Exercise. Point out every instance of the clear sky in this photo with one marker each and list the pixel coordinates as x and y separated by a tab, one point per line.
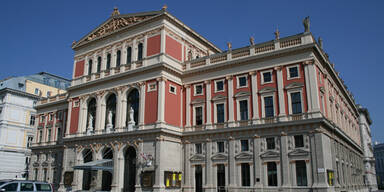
36	35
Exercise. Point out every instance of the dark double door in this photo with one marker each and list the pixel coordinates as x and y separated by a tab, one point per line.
130	170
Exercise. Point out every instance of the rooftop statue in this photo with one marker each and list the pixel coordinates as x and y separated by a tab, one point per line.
306	24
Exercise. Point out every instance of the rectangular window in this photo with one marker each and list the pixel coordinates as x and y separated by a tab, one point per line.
221	178
198	115
59	115
49	135
293	72
50	117
42	119
129	55
108	61
301	173
296	103
267	77
198	148
41	136
219	85
152	87
29	141
243	109
220	112
199	89
45	174
32	120
37	91
268	106
98	64
245	175
172	89
270	143
242	81
299	141
244	145
118	58
272	174
220	146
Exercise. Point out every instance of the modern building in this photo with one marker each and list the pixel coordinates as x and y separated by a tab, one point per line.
17	118
365	122
154	106
378	150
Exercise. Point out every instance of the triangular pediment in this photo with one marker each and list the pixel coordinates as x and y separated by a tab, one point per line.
243	156
198	100
267	90
219	157
294	85
270	154
114	24
298	152
197	157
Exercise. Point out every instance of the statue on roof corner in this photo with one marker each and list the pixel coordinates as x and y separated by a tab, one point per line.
306	24
277	34
115	12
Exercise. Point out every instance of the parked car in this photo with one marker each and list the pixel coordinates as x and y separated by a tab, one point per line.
25	185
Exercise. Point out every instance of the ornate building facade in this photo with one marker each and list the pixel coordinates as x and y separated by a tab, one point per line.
154	106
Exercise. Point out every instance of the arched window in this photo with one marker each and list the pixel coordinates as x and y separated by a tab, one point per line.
90	63
129	55
133	101
110	113
118	58
98	64
91	113
140	52
108	61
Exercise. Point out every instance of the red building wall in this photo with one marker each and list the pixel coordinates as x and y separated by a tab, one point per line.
173	48
198	97
79	68
153	45
301	79
150	116
172	103
243	89
271	85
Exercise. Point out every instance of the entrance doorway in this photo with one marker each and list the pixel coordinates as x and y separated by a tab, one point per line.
130	170
220	178
107	175
198	178
87	174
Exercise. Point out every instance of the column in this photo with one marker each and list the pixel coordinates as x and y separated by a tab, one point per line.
208	105
69	118
187	170
162	36
94	66
255	101
319	155
83	115
123	116
103	64
134	54
113	60
280	92
119	104
159	175
123	58
142	105
86	63
285	168
231	162
209	168
258	169
145	50
116	169
161	100
312	88
188	106
231	111
98	125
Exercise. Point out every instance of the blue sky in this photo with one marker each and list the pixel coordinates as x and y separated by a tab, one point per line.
36	35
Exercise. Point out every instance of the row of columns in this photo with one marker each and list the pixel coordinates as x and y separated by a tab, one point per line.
312	92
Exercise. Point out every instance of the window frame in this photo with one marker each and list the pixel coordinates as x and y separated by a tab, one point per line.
245	174
302	181
289	73
262	76
263	114
267	145
195	89
215	119
289	94
219	80
149	89
218	146
202	114
238	100
32	120
198	148
243	141
296	142
238	86
274	174
170	89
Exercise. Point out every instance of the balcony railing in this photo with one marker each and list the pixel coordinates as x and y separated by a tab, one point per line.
252	50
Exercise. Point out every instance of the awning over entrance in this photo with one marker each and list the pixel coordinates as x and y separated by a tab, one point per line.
103	164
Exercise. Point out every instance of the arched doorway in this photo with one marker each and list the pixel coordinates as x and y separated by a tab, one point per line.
130	169
107	175
87	174
133	101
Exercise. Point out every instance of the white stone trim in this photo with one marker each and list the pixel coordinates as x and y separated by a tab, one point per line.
262	76
289	75
238	99
289	92
272	94
238	82
194	89
174	88
218	80
149	89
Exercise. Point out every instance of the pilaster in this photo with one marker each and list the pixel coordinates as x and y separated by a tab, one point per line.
280	90
161	100
209	168
231	119
285	168
312	88
258	169
255	101
142	104
231	162
188	106
208	103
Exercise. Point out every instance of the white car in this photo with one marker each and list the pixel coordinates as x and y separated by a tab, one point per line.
25	185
